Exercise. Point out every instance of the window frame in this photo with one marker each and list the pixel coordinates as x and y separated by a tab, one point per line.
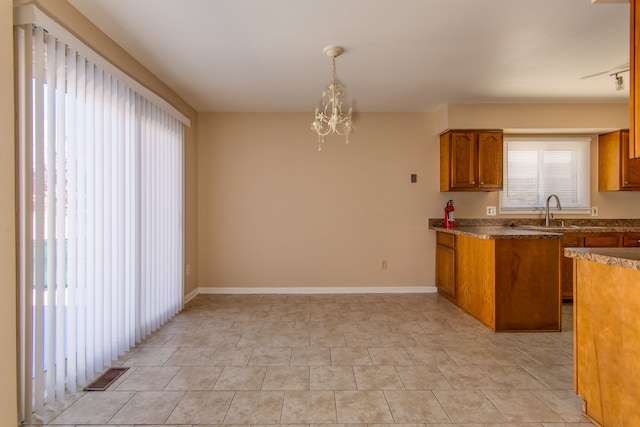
583	182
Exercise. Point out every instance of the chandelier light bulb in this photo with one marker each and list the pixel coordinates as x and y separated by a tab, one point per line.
329	117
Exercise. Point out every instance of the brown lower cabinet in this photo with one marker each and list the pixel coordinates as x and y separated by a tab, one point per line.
590	240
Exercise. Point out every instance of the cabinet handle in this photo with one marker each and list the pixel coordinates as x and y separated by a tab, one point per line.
481	182
626	182
638	242
473	182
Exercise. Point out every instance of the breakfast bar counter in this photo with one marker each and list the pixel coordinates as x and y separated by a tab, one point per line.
606	308
506	277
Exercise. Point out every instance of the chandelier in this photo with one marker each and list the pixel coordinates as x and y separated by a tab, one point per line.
329	117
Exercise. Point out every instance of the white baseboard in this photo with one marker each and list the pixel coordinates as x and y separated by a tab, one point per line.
191	295
315	290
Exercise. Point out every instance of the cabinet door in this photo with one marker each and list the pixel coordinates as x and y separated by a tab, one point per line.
446	265
490	149
463	160
630	179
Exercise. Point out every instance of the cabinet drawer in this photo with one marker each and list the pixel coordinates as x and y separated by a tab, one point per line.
631	240
446	239
572	240
602	241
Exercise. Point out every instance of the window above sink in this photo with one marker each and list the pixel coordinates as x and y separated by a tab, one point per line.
535	167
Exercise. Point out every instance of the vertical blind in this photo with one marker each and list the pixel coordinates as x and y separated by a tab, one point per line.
534	168
101	177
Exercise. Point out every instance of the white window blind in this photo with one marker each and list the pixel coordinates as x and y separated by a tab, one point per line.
534	168
101	187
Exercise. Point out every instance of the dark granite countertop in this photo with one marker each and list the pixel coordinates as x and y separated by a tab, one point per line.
498	232
619	257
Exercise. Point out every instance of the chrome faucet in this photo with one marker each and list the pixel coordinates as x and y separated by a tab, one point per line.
547	217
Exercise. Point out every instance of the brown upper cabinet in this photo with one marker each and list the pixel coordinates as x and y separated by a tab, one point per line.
471	160
616	171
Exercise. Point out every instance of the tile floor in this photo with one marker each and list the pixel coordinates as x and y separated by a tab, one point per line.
321	360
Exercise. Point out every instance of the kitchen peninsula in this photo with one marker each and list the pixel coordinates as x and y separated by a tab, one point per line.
607	333
506	277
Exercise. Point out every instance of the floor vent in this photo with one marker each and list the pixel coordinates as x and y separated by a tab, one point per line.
105	380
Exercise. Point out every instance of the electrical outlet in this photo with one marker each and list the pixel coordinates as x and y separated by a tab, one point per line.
594	211
491	211
384	264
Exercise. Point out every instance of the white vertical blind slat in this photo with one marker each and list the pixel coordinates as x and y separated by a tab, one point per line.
72	218
81	225
60	217
38	220
50	219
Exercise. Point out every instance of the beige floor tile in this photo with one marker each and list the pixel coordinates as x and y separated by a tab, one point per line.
222	339
563	402
310	356
309	407
423	378
362	407
255	407
327	339
362	339
397	339
286	378
231	356
554	376
513	377
148	378
255	339
468	377
195	378
263	356
151	356
468	406
469	355
191	356
332	378
521	406
415	407
390	356
429	356
377	378
94	408
293	339
200	407
240	378
148	407
350	356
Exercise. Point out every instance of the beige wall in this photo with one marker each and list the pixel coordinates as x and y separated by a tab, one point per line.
8	373
66	15
274	212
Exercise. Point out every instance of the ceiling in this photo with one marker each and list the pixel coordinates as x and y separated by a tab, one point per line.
400	55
